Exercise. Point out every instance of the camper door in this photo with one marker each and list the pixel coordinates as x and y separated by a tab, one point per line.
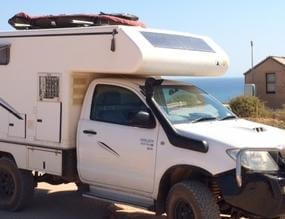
49	108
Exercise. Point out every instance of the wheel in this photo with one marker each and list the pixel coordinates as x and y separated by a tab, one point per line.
191	200
16	186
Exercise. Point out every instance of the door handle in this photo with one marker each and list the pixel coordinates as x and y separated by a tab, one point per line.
89	132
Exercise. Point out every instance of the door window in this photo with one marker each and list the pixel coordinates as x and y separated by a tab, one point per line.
115	104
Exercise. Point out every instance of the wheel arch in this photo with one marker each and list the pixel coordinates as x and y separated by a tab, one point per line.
17	155
7	155
177	174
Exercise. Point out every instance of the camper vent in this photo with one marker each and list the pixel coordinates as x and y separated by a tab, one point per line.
49	87
4	54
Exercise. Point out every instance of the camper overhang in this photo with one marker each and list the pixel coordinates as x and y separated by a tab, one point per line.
141	51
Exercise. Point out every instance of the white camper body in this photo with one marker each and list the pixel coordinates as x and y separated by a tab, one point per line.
49	71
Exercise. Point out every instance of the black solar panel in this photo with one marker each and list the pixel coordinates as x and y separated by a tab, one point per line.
172	41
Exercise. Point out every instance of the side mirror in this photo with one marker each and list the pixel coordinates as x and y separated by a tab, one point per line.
143	119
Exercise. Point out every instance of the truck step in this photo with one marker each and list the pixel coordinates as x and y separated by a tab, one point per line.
100	198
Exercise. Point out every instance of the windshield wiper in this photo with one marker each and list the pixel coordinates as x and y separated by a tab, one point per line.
204	119
228	117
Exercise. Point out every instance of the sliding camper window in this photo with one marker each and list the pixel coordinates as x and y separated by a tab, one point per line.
4	54
174	41
114	104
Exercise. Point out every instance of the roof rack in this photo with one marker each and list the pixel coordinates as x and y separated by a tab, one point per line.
23	21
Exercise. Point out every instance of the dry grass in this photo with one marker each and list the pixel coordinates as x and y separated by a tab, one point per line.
255	110
270	121
274	118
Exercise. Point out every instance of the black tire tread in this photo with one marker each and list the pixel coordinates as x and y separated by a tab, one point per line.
28	190
203	198
25	184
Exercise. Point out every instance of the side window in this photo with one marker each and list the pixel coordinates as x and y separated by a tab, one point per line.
115	104
4	54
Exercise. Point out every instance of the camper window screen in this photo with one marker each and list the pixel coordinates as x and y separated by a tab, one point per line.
4	54
48	87
172	41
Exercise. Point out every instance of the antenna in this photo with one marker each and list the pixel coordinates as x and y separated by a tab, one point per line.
251	45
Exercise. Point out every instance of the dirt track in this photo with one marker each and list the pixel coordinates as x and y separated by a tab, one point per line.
63	202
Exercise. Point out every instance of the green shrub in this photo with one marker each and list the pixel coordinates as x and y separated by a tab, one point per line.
248	106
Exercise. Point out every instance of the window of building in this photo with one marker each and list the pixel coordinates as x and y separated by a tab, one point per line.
4	54
115	104
270	83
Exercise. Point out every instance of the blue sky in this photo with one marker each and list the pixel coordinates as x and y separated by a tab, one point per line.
232	24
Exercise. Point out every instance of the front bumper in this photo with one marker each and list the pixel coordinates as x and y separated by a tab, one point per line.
261	195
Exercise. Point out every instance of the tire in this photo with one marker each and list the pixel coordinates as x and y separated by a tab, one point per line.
16	186
191	200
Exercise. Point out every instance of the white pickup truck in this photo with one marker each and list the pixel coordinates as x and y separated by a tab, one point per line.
88	105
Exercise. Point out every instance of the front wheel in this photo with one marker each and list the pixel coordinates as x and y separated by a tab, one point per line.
191	200
16	186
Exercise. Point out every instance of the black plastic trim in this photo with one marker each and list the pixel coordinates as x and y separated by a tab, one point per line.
89	132
25	125
261	195
174	137
108	148
60	123
69	164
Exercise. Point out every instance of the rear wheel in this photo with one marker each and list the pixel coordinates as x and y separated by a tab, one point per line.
191	200
16	186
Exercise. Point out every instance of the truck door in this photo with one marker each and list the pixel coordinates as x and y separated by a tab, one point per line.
112	150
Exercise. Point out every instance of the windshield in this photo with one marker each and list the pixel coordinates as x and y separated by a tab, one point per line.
189	104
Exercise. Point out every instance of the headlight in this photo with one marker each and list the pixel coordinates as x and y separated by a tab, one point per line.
255	160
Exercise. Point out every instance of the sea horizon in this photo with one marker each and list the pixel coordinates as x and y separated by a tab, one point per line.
222	88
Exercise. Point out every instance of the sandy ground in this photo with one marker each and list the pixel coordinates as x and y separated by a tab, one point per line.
63	202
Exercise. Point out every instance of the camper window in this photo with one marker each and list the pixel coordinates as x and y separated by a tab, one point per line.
174	41
4	54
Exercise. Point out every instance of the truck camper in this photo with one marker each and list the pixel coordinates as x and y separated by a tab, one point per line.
83	100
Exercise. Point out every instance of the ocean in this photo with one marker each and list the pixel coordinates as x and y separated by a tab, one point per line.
224	89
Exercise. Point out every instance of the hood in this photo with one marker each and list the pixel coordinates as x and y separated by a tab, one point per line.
235	133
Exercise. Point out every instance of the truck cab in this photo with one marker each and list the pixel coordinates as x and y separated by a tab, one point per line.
147	136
